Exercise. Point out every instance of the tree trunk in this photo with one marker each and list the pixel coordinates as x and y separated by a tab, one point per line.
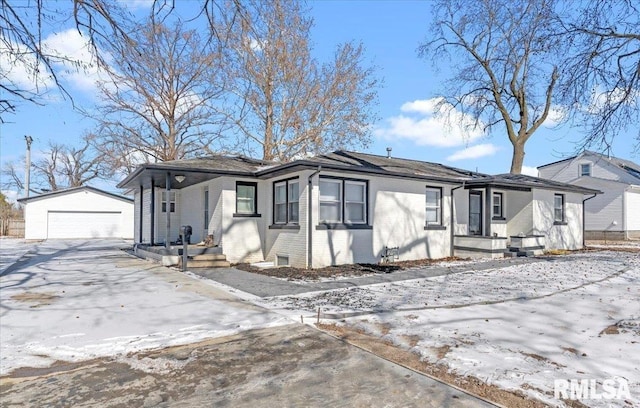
518	158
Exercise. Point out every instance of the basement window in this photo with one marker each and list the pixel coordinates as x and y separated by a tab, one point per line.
282	260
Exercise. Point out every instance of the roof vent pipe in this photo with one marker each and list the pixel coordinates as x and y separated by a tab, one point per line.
388	152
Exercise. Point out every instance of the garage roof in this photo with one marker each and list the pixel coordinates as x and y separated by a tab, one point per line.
74	190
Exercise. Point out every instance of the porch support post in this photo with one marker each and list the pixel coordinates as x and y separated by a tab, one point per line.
152	210
488	210
141	217
167	235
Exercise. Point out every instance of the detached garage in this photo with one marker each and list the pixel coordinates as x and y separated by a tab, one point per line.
81	212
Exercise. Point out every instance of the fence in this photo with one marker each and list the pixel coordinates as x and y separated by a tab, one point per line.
12	228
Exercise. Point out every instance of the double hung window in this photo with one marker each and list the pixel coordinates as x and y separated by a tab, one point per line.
343	201
433	206
286	200
246	198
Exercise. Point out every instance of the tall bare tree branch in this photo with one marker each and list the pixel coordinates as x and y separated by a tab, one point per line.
285	104
159	101
601	84
507	53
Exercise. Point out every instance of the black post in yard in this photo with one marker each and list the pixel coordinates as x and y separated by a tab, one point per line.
167	233
185	245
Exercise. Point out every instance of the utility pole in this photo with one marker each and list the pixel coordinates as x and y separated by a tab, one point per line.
27	173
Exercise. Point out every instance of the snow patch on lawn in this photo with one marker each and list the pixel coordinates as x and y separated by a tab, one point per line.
520	327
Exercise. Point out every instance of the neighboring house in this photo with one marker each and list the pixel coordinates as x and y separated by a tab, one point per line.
615	214
80	212
348	207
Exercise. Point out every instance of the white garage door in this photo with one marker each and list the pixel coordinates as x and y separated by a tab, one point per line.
75	224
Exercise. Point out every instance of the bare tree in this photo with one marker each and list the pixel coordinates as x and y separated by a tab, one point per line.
285	103
602	80
507	72
22	46
158	103
60	166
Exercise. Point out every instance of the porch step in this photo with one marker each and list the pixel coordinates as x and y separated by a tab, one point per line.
207	261
515	252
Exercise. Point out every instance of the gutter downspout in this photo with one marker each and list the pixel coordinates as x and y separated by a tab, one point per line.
452	221
584	223
310	219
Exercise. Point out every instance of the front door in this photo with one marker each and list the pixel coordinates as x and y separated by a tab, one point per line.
475	213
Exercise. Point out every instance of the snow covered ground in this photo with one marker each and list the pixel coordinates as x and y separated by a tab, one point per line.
76	300
12	249
519	327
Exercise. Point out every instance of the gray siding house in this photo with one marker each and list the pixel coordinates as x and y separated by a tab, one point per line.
615	214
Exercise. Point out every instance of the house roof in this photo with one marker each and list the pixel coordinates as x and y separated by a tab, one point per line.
346	161
205	168
628	166
522	181
74	190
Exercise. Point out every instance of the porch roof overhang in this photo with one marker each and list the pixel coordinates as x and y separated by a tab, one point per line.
149	174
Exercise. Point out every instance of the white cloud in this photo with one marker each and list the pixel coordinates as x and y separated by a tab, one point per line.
474	152
11	196
557	114
530	171
20	67
136	4
77	63
430	122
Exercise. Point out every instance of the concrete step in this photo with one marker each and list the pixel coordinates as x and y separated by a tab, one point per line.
209	257
194	263
517	253
207	261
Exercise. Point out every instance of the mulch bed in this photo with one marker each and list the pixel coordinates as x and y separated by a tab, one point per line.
286	272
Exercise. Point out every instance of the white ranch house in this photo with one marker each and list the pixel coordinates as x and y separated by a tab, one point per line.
348	207
615	214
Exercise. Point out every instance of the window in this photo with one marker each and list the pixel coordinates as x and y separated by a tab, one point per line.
343	202
433	206
498	205
585	169
558	209
282	260
172	201
330	201
355	202
246	198
286	197
205	205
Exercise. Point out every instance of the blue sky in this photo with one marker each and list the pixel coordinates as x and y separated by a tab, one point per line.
391	32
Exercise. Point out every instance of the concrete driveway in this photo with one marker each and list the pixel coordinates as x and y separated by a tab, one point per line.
86	324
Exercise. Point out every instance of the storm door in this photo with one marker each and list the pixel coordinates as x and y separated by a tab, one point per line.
475	213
